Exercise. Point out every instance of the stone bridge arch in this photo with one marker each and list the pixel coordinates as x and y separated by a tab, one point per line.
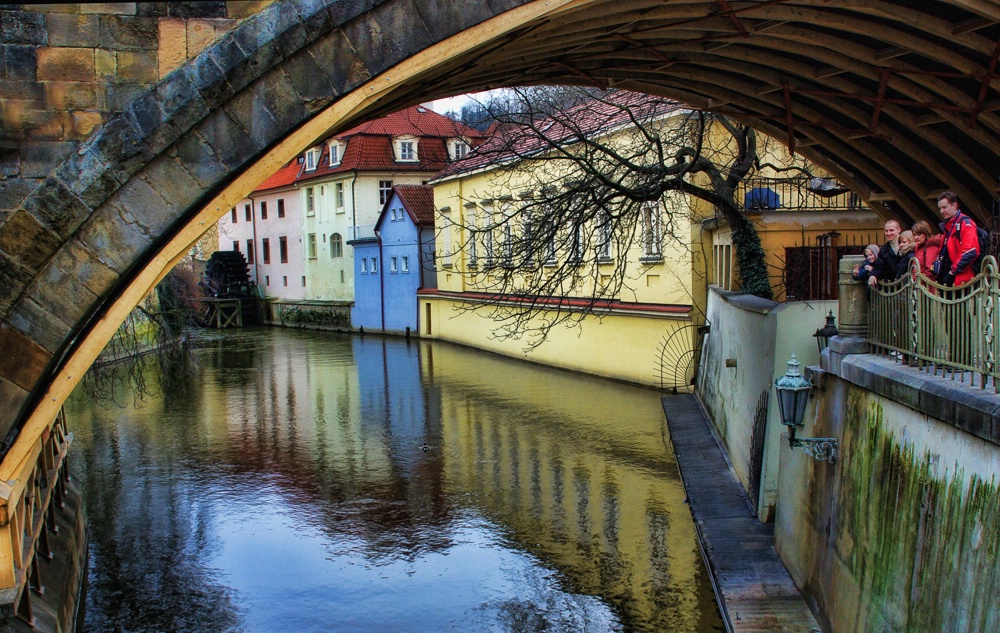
897	98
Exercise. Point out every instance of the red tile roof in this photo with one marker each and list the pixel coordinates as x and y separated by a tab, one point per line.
281	178
418	200
509	141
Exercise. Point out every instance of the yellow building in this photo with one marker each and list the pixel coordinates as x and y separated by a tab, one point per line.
649	280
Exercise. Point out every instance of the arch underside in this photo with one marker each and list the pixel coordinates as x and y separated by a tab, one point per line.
898	99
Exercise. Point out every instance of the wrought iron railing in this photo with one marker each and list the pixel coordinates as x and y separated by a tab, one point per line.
795	194
939	328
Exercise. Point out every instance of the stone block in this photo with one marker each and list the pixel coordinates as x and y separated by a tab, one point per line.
22	27
974	414
233	62
315	17
309	81
120	32
499	6
13	191
210	81
251	113
180	101
12	398
53	8
120	147
401	32
343	12
289	32
199	35
200	9
60	294
10	163
200	160
173	45
937	399
41	124
337	59
231	143
120	96
27	94
47	330
66	64
73	30
142	203
371	46
281	100
176	186
245	9
443	18
119	8
27	241
57	208
39	159
152	9
83	125
105	64
86	267
19	62
115	237
70	95
86	175
14	279
22	362
138	67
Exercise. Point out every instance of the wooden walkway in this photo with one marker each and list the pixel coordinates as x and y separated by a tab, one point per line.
753	588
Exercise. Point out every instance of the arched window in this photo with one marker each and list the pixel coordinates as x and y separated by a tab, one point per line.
336	245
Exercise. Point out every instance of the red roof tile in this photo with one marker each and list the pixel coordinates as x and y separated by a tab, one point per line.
418	200
281	178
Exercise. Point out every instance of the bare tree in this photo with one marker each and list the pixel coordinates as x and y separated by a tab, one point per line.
588	177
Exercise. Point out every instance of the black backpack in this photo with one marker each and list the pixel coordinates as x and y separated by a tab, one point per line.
984	246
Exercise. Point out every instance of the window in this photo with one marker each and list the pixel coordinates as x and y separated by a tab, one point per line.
336	153
548	229
265	250
374	264
336	246
284	280
446	238
364	265
234	215
393	267
281	207
283	250
508	244
406	264
406	149
652	230
303	281
604	238
459	148
384	191
236	246
263	210
310	202
250	251
248	212
473	229
576	244
338	190
312	158
311	246
267	280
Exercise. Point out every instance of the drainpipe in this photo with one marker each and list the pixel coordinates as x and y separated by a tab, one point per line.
253	225
381	279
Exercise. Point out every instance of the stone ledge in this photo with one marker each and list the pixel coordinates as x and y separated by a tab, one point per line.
972	409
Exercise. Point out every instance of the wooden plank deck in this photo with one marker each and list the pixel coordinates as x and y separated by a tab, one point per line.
753	588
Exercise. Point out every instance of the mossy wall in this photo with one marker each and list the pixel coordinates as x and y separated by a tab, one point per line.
905	530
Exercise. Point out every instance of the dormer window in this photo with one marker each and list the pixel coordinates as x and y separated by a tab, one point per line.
336	152
312	158
459	148
406	149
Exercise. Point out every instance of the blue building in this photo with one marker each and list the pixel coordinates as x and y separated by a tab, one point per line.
389	269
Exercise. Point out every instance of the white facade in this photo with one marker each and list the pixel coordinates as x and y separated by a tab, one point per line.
267	229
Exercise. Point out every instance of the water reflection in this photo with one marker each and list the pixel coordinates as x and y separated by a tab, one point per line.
304	482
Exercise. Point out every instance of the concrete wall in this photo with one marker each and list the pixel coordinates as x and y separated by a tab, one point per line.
902	533
741	357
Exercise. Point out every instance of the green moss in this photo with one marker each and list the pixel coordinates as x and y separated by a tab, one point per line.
923	548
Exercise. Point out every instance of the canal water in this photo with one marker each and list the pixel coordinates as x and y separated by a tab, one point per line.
299	481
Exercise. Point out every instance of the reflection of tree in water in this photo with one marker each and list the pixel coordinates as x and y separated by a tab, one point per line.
148	541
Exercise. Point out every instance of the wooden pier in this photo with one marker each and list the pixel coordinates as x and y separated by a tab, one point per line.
753	588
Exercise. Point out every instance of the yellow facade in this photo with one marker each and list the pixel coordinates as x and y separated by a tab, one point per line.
661	294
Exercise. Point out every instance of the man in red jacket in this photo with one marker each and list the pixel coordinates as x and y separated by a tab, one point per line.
961	244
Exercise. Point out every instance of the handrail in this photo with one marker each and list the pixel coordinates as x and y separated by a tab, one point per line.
27	514
922	323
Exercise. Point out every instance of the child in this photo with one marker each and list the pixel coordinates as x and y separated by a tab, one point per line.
862	272
907	245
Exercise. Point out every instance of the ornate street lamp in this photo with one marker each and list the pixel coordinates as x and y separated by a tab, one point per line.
793	394
826	332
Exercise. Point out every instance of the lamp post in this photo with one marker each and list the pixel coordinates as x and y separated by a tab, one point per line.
825	333
793	394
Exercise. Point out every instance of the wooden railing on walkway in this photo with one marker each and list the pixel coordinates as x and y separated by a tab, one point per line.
28	504
938	328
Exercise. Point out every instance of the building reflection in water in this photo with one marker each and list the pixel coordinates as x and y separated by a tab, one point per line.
291	470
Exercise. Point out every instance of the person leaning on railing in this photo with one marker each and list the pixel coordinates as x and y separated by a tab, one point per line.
928	243
960	245
906	253
862	271
888	256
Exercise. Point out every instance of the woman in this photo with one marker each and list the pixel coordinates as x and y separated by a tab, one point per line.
862	272
907	247
928	247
